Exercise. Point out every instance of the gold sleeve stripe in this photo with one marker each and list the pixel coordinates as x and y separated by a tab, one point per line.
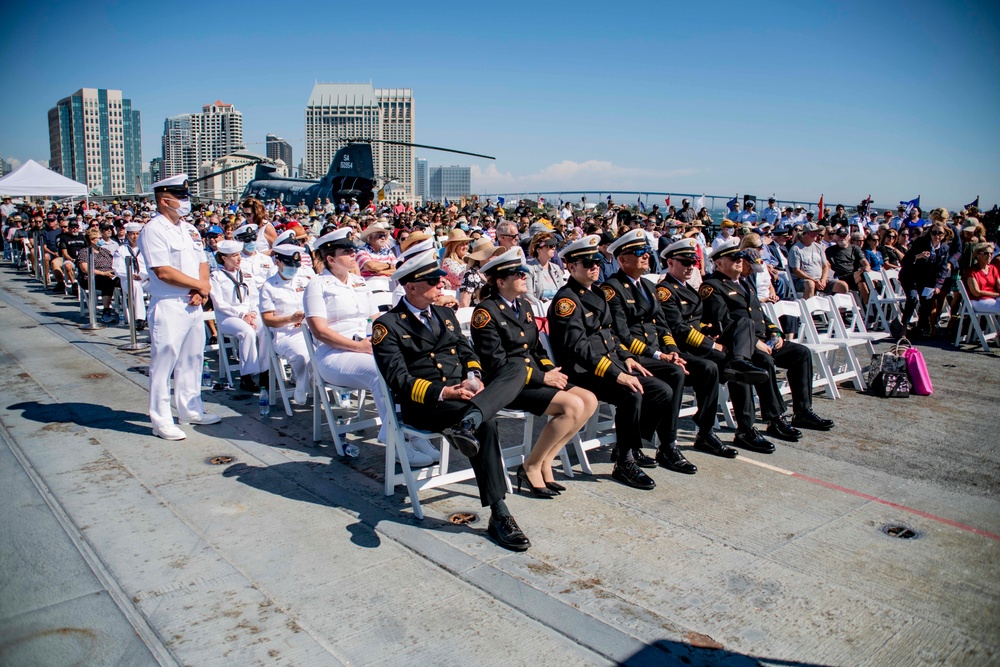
669	340
527	379
636	346
546	362
602	367
694	338
419	391
474	364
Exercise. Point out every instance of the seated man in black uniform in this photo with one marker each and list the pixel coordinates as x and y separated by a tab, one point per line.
733	309
638	323
584	344
682	308
423	356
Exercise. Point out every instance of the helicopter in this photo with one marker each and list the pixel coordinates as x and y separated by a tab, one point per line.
351	174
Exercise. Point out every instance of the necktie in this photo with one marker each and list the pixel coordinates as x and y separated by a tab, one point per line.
431	323
516	308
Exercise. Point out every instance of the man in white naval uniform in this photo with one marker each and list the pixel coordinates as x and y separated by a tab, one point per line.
178	285
129	252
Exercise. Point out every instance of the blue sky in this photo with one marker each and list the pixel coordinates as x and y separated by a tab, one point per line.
845	99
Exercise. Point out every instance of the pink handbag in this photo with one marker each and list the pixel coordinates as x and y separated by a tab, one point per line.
919	377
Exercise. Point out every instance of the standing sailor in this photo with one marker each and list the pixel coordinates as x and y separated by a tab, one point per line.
178	285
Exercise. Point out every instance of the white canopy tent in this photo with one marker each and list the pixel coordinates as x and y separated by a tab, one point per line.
33	180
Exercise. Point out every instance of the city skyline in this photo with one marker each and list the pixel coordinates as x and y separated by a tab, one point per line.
841	99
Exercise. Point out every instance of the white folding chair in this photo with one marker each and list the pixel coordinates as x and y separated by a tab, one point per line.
279	375
227	344
883	306
825	333
378	283
983	325
823	376
856	330
323	405
381	301
464	317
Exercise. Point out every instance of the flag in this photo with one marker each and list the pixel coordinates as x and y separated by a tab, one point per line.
446	203
642	207
561	203
500	200
541	201
609	198
975	202
668	201
731	204
821	207
700	203
908	204
381	194
584	199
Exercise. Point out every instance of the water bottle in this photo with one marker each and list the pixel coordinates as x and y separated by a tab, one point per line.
206	376
121	317
344	397
368	329
265	403
772	341
473	381
351	450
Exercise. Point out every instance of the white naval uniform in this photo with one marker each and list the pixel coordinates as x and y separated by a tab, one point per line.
176	330
233	296
258	265
140	276
283	298
346	309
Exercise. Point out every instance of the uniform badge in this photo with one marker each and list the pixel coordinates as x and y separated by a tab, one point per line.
480	318
662	294
527	316
565	307
705	291
448	323
609	293
378	333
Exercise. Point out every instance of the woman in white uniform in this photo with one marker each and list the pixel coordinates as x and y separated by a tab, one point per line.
337	309
281	307
237	304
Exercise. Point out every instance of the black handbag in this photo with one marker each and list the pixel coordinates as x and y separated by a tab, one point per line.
887	375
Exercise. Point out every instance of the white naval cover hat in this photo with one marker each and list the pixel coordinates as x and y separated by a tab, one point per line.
177	182
682	248
628	241
245	229
513	258
284	236
581	248
338	238
287	250
229	247
133	227
419	267
417	248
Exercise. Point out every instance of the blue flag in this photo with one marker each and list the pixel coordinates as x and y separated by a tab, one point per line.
500	200
911	204
446	204
975	202
642	207
731	204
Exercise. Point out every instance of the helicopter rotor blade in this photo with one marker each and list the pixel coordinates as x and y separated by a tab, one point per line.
223	171
434	148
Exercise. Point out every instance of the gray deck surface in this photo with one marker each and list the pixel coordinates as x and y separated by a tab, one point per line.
118	548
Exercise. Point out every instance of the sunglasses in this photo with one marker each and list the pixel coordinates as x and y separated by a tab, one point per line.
937	233
378	236
513	273
686	262
640	252
589	263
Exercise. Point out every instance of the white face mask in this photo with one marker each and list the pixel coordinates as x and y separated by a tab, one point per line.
184	208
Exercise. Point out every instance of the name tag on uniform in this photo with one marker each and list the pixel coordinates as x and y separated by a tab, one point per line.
629	301
588	314
503	324
405	336
732	294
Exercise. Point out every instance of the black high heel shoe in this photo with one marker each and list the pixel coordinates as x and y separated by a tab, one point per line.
541	492
554	486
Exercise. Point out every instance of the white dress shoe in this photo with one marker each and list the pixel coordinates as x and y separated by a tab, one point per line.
416	459
169	432
301	397
424	446
203	419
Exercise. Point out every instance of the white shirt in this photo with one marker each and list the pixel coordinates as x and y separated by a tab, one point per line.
118	263
771	215
345	306
258	265
225	289
163	243
285	297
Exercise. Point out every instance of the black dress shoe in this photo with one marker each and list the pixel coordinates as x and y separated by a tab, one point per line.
809	419
140	325
630	474
781	429
753	441
642	460
537	491
505	531
555	486
247	384
463	436
741	370
709	442
672	459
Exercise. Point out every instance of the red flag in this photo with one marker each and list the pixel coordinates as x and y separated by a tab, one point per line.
668	201
821	207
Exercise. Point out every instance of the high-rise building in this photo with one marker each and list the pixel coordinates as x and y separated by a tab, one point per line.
338	112
155	169
451	183
94	138
279	149
420	180
189	140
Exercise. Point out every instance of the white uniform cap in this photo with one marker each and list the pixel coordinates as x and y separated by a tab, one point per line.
229	247
511	259
133	227
628	241
338	238
682	248
287	250
419	267
284	236
245	229
726	248
170	183
417	248
585	247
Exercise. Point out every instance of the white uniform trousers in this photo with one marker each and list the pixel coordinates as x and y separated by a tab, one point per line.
177	348
139	298
292	347
987	305
353	370
252	341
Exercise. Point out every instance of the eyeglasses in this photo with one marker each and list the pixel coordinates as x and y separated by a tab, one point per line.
509	236
686	262
513	273
589	263
937	233
380	235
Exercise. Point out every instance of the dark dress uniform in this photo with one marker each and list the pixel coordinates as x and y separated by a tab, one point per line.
733	309
501	337
585	346
418	363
